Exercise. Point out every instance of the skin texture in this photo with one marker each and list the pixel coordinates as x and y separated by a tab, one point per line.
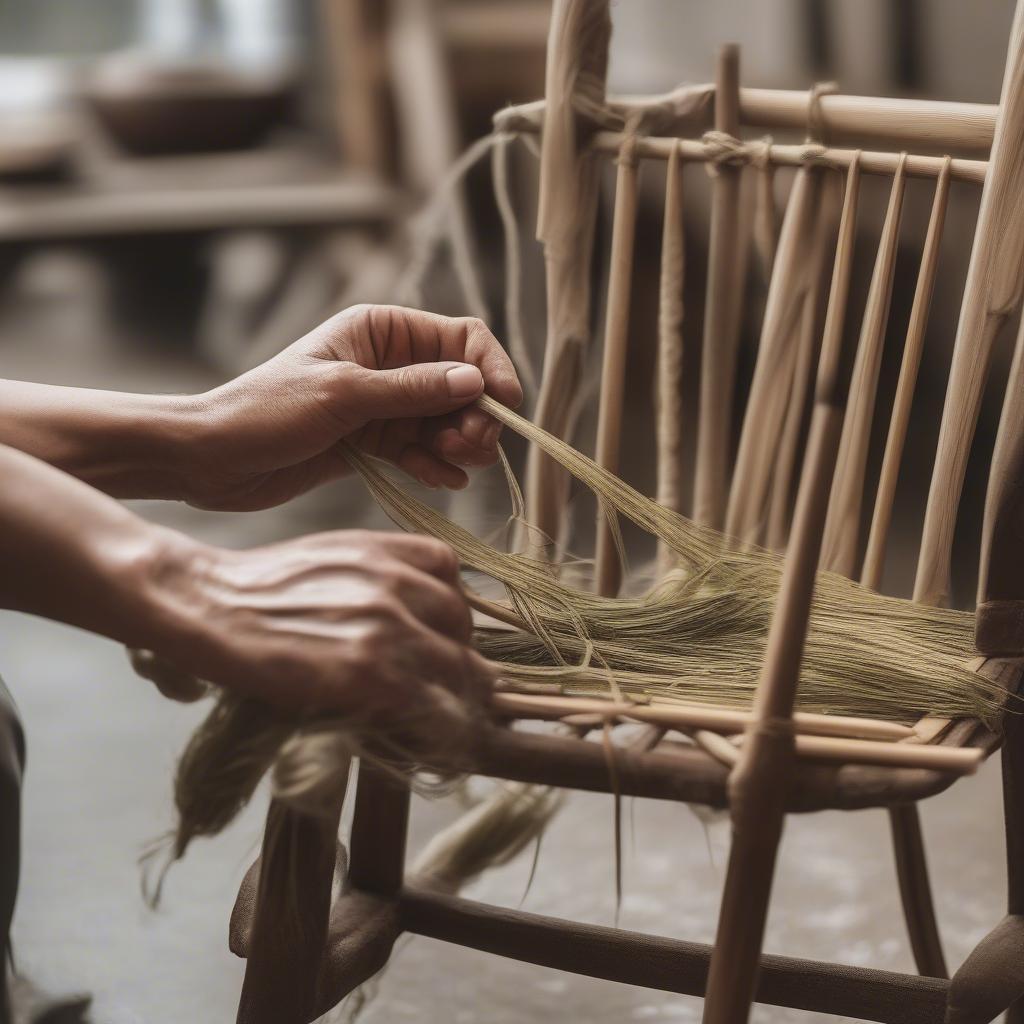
347	620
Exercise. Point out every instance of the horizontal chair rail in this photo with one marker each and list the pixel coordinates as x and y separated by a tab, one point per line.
700	151
671	965
934	125
938	124
687	773
658	147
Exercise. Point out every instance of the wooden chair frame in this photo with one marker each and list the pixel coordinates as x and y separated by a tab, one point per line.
301	963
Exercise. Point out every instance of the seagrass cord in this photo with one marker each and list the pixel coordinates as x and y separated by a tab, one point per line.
695	639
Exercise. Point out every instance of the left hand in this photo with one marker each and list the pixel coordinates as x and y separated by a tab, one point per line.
398	383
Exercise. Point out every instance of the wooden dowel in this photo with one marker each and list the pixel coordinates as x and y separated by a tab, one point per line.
841	750
787	451
723	720
842	527
992	296
936	125
959	760
495	609
932	124
769	390
857	993
608	569
785	463
1002	552
670	351
718	351
874	559
758	785
717	746
655	147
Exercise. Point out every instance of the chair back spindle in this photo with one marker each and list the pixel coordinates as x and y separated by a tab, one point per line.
721	315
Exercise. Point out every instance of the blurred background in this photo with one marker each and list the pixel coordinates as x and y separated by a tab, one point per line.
186	186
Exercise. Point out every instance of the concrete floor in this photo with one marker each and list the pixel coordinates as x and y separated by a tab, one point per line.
101	749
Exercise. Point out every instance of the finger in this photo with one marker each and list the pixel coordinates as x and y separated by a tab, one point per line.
468	437
420	389
448	663
438	605
425	553
396	442
500	378
426	467
415	335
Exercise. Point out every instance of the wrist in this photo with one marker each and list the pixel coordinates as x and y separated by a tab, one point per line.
173	430
157	578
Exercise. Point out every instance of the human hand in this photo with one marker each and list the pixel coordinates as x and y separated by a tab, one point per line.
352	622
398	383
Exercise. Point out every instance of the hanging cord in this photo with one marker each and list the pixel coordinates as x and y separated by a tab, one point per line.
521	355
434	224
817	130
765	232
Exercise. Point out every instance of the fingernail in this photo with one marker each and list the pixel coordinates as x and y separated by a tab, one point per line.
463	381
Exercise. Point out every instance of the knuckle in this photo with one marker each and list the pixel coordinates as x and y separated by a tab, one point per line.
441	556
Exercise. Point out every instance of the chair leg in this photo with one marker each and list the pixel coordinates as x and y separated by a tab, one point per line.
991	979
289	925
756	798
365	919
915	891
379	827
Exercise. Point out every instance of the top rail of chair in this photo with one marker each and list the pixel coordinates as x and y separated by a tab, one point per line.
914	124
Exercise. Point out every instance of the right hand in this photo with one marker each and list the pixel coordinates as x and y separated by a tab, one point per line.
351	621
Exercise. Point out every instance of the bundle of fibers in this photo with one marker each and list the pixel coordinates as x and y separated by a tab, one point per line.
697	636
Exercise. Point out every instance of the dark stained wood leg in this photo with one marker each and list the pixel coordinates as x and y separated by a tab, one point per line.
289	930
991	979
915	890
379	828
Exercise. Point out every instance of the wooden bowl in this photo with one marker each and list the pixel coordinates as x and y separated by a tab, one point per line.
153	108
37	148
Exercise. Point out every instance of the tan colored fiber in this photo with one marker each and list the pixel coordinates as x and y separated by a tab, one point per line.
698	637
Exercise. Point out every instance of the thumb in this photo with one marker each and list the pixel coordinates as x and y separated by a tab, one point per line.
422	389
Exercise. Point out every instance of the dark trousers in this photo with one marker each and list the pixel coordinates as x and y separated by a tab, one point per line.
12	765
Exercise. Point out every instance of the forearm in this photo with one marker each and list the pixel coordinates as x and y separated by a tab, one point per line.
71	554
128	445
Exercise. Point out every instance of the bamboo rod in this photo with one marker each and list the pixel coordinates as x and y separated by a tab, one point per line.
718	351
881	519
722	720
842	526
608	569
766	407
670	350
992	295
